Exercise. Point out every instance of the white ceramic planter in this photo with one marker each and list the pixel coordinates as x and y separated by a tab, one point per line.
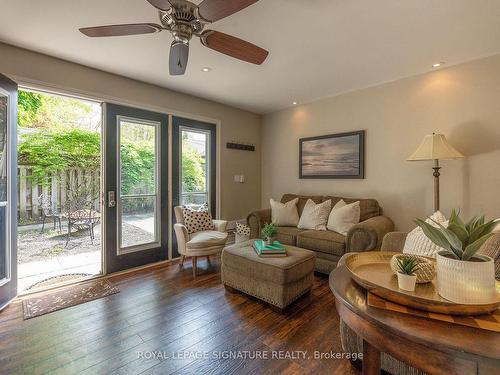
467	282
407	282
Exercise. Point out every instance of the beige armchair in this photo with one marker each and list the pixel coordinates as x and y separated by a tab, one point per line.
198	244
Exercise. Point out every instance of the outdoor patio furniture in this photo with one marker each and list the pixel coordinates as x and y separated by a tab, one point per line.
49	211
82	219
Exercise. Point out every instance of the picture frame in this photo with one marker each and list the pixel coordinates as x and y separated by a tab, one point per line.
333	156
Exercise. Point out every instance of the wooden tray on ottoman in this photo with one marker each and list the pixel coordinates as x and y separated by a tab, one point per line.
372	270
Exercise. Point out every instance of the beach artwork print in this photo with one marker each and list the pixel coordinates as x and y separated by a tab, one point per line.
332	156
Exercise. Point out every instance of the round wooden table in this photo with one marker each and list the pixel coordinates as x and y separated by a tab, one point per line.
432	346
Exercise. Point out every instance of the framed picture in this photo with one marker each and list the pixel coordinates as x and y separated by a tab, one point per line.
333	156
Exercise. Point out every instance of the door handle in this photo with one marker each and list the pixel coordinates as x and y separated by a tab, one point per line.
111	199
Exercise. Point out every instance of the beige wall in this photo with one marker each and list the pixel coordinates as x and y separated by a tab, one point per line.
463	102
235	124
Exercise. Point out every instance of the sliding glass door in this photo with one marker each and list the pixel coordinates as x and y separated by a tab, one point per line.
8	166
136	178
193	165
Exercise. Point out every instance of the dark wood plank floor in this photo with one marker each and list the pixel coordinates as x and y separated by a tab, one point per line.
167	311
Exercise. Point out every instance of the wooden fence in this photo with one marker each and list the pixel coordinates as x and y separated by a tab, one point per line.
28	192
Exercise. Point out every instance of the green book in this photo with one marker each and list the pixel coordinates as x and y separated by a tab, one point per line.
275	249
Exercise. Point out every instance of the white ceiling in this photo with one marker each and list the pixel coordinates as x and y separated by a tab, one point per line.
318	48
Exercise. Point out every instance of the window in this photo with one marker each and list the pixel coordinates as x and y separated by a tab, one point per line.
194	172
138	203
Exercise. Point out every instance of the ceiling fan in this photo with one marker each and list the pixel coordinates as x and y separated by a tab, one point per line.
184	20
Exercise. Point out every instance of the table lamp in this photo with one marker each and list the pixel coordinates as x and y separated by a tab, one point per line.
435	147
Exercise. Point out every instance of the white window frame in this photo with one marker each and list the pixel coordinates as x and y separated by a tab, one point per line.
149	245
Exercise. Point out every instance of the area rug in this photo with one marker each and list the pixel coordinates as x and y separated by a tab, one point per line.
58	279
67	297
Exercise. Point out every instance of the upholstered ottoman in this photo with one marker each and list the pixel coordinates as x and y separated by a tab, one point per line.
276	280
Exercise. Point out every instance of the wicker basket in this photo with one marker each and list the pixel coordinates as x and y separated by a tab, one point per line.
425	272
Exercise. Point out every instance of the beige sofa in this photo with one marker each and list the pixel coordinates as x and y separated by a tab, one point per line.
329	246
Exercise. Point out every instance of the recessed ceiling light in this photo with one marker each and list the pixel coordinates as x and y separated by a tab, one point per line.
437	65
294	103
206	69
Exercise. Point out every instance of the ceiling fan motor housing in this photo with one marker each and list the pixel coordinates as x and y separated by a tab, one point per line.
182	20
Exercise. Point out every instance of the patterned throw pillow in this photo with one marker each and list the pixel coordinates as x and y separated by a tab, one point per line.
242	229
315	216
417	243
196	221
242	232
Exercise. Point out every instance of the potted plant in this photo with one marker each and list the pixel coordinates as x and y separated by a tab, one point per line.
463	276
407	277
268	232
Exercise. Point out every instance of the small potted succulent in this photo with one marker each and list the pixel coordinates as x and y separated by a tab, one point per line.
463	276
268	232
407	277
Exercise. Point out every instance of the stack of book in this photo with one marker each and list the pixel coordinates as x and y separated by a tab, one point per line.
274	250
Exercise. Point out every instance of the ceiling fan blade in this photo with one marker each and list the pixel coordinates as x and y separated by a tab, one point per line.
235	47
160	4
214	10
179	54
120	30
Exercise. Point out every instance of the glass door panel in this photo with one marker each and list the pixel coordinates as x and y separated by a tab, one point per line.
195	159
8	164
138	201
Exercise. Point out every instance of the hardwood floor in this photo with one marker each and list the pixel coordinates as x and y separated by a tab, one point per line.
165	310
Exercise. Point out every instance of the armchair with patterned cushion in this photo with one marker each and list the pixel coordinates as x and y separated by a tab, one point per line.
200	243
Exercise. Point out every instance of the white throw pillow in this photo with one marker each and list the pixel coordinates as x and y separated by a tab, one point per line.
314	216
418	243
284	214
343	217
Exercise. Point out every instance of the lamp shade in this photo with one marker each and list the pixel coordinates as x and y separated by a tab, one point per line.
435	147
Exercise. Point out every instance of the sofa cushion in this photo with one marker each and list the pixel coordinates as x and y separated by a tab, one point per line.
302	200
368	207
323	241
288	235
279	270
206	239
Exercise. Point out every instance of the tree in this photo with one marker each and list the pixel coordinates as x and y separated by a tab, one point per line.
193	174
29	104
38	110
59	149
